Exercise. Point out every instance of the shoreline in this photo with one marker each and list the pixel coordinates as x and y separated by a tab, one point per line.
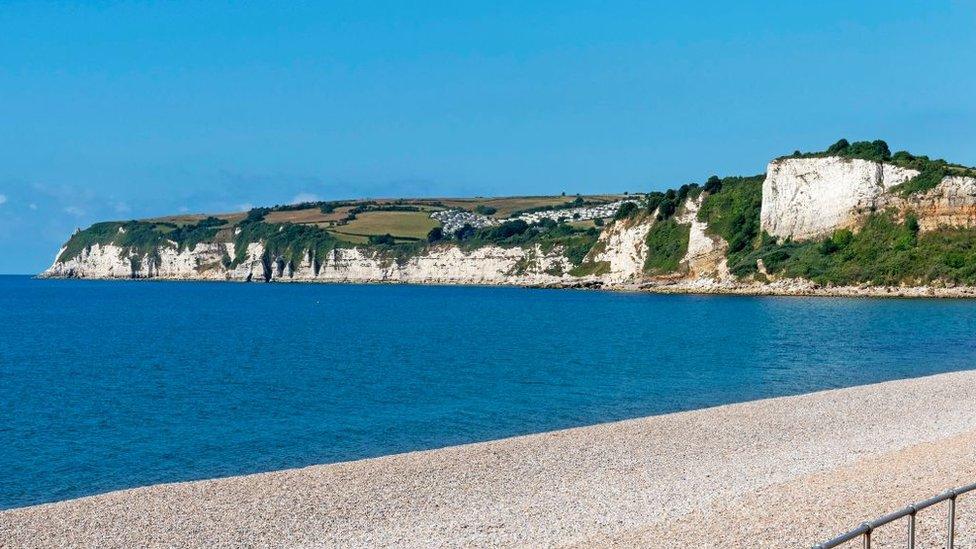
781	288
607	484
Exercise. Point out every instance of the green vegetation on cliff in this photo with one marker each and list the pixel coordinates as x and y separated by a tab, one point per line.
931	172
666	204
142	238
547	234
885	251
289	241
732	212
667	243
876	151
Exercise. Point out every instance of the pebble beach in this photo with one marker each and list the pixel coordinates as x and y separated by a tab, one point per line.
781	472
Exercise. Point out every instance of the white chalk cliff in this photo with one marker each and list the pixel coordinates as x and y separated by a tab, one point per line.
443	264
810	197
802	198
806	198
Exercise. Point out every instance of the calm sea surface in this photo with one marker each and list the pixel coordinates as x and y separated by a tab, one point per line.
108	385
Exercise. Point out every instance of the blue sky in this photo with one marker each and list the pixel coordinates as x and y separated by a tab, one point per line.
126	110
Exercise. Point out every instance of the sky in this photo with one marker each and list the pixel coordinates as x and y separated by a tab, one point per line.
122	110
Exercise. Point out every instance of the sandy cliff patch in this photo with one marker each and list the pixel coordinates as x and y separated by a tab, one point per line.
952	203
706	253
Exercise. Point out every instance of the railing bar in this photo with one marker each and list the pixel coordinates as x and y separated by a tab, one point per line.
890	517
843	538
965	489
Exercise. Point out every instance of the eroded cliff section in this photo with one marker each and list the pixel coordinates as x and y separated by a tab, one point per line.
952	203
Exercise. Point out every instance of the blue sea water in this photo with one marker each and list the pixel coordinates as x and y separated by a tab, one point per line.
108	385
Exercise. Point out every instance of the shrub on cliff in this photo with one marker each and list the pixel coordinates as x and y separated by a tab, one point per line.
188	236
435	235
688	190
840	147
465	232
507	230
653	200
626	210
713	185
382	240
876	150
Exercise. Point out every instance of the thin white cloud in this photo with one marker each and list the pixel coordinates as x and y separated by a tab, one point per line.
75	211
122	207
245	206
32	206
3	199
304	197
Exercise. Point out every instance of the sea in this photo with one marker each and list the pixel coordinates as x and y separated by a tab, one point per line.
107	385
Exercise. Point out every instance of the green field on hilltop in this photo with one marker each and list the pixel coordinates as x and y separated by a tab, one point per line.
407	225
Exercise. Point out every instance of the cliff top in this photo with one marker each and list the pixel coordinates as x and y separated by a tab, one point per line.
931	171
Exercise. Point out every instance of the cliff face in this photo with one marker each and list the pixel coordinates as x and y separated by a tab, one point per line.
806	198
801	199
443	264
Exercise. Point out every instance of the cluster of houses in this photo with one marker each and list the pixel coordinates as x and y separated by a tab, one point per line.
452	220
581	213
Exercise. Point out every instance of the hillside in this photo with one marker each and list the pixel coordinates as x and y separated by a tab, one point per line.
854	214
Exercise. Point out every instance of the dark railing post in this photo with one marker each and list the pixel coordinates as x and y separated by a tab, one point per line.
911	528
951	536
867	536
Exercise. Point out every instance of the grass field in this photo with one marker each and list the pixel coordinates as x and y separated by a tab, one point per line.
402	224
308	215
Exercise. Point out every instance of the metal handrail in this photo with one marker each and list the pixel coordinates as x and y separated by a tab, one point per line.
865	529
